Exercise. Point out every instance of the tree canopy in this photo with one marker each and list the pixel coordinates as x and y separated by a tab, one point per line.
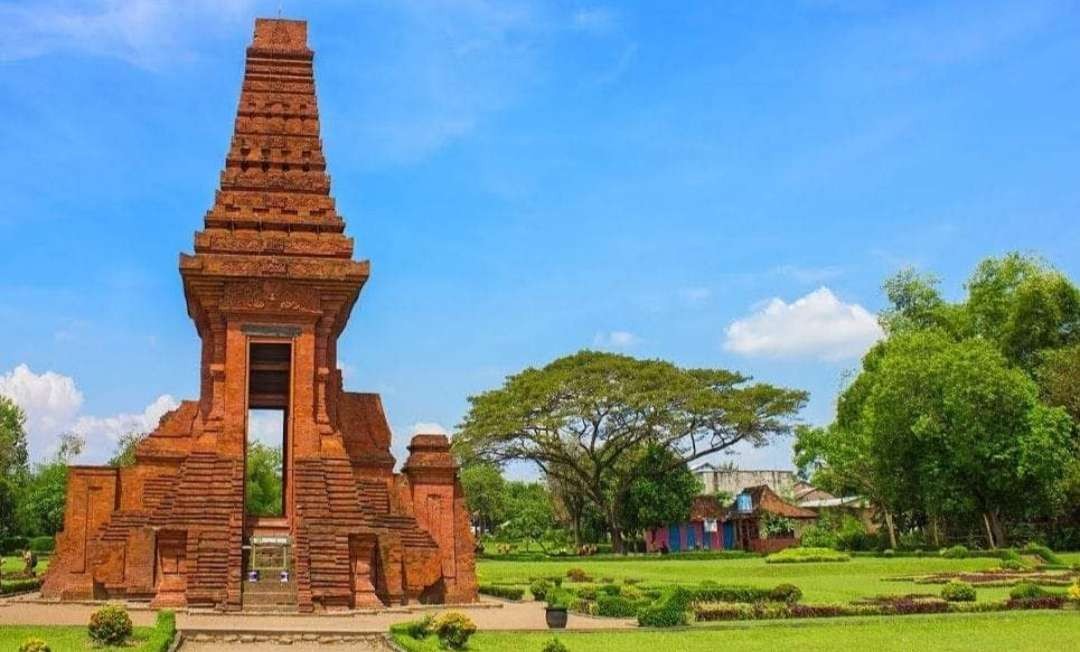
963	412
581	418
263	485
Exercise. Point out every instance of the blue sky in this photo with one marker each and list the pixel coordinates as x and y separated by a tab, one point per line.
716	183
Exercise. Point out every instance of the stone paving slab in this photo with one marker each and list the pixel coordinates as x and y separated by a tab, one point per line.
488	615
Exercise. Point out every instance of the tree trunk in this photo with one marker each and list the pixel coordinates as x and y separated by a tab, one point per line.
935	531
998	530
616	540
989	532
577	531
892	529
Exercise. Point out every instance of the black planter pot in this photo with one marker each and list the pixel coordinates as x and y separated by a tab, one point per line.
556	617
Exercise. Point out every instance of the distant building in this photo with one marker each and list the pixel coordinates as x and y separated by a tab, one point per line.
733	481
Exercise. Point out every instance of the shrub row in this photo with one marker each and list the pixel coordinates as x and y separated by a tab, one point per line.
804	555
502	591
670	610
772	611
745	594
19	586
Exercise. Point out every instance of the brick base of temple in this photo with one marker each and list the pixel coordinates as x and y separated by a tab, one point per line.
171	529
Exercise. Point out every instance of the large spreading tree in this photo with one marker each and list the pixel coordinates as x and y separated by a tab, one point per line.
582	418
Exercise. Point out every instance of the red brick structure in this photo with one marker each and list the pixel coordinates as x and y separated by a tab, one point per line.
270	288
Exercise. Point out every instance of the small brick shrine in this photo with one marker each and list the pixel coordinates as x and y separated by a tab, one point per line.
270	288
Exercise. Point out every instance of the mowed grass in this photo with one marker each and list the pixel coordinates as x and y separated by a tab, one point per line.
1035	631
820	582
65	639
14	564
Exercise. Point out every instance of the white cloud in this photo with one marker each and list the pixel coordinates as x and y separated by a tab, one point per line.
615	340
53	404
428	428
817	325
142	32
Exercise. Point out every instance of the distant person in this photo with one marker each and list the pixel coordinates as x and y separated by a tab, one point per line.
30	561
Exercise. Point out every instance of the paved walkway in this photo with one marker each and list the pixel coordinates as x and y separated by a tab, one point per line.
488	615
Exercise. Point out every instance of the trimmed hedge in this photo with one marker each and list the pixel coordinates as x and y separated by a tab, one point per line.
615	606
19	585
806	555
502	591
42	545
13	545
671	610
731	593
1048	555
955	552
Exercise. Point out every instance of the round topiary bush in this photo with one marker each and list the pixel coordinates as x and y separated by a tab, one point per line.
554	645
957	591
1027	591
110	625
453	629
578	575
34	645
955	552
788	593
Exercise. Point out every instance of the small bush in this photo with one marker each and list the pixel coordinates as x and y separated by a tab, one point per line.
554	645
610	589
818	536
615	606
805	555
957	591
501	591
671	610
888	552
788	593
418	629
110	625
453	629
559	599
34	645
585	592
1027	591
955	552
42	544
539	589
578	575
1013	565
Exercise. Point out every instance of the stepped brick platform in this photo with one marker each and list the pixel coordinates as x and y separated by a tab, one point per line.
270	288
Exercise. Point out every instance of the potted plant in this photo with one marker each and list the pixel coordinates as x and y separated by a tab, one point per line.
557	604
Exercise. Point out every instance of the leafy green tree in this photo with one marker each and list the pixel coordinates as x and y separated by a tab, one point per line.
530	515
13	462
263	487
1058	375
656	497
14	453
580	418
124	454
44	494
951	426
485	495
1024	306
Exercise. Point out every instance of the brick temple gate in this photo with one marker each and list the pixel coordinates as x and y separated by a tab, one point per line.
270	287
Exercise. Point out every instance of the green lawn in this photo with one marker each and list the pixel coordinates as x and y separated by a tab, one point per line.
820	582
75	639
1035	631
15	564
